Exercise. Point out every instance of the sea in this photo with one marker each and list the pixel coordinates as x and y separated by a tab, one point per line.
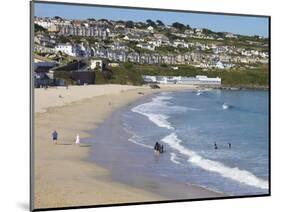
190	124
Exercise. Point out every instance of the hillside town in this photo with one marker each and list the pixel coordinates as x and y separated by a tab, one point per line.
110	43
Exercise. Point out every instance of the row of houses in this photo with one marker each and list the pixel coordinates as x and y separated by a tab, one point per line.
93	31
121	53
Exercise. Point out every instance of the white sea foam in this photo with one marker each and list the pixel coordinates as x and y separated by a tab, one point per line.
225	106
158	110
174	158
236	174
159	119
134	139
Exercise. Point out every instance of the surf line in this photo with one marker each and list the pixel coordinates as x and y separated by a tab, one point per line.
236	174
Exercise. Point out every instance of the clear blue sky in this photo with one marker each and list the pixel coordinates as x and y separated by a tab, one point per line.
220	23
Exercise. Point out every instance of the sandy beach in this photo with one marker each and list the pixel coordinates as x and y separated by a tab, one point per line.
63	174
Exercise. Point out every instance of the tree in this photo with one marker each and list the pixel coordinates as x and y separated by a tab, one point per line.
160	23
178	26
38	28
141	25
150	23
128	65
57	17
220	34
129	24
120	22
207	31
62	39
103	19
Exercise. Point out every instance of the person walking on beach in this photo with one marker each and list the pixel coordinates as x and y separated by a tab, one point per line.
55	137
77	139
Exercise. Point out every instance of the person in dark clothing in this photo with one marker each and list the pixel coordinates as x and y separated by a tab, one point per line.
161	149
215	145
55	136
157	148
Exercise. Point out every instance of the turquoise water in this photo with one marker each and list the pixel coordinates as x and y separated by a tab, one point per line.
189	123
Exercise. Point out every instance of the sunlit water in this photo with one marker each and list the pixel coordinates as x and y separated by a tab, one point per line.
189	124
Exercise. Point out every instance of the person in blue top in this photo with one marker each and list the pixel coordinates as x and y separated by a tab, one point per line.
55	136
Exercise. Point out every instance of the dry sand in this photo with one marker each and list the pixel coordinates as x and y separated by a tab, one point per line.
63	175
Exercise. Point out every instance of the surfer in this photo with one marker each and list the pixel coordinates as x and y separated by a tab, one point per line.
229	145
215	145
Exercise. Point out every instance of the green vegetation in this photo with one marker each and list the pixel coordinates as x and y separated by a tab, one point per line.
160	23
63	39
243	75
151	23
129	24
125	74
129	73
66	76
179	26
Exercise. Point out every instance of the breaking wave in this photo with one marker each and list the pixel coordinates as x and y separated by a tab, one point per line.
236	174
158	111
174	158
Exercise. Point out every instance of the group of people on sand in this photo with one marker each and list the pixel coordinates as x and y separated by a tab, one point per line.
158	148
216	146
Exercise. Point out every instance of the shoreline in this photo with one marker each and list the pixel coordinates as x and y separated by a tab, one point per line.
63	175
108	154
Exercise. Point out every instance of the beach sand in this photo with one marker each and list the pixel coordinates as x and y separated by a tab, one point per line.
64	176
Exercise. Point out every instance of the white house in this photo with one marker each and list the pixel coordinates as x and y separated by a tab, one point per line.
146	46
150	29
219	65
208	81
175	68
180	43
68	48
230	35
155	42
45	23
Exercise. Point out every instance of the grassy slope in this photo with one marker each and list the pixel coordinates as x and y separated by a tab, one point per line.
131	74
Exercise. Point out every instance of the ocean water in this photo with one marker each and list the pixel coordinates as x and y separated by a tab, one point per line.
189	123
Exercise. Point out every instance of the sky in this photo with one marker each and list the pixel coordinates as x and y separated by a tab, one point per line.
243	25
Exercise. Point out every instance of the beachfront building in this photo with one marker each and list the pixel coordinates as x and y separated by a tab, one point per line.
43	75
197	80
